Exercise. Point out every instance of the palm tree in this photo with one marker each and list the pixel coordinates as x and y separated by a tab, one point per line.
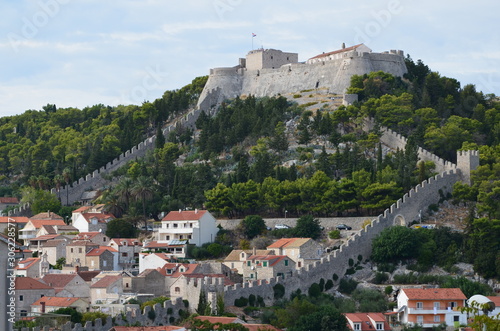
143	189
124	191
58	180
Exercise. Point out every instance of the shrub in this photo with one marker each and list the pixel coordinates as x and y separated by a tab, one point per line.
296	96
351	262
241	302
251	300
279	291
328	284
380	277
152	315
314	290
335	234
321	284
388	290
335	277
347	285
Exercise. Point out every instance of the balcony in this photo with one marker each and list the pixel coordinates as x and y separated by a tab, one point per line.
27	236
174	231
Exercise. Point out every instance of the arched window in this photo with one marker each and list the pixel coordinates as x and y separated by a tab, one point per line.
177	290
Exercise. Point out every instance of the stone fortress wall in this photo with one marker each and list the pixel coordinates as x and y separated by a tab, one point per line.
271	72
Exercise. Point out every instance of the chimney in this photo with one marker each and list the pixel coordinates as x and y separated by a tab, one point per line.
343	45
77	268
196	211
43	306
254	250
180	210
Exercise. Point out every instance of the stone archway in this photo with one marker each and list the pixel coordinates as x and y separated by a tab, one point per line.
399	220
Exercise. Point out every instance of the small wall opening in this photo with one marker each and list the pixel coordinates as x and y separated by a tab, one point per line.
399	220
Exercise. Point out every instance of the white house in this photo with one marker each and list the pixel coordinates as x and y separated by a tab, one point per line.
92	222
197	226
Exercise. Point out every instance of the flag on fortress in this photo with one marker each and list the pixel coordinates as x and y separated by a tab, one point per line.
254	35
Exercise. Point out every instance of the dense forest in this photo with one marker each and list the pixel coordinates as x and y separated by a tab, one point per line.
270	156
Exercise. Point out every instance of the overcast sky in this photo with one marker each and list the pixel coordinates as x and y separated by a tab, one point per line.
79	53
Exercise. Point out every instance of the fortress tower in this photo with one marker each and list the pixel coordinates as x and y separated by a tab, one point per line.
466	162
269	72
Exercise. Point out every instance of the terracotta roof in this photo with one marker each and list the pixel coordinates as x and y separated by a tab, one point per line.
86	235
17	219
83	243
434	293
56	301
129	241
368	320
188	268
273	259
45	237
28	283
37	224
258	327
100	250
106	281
185	215
289	243
88	275
9	200
27	263
46	216
55	242
495	299
227	320
101	217
58	280
235	254
347	49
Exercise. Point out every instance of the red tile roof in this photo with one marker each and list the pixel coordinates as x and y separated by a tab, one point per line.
37	224
17	219
185	215
101	250
58	281
26	264
46	216
9	200
56	301
434	293
106	281
28	283
129	241
347	49
289	242
101	217
147	328
368	320
45	237
86	235
273	259
88	275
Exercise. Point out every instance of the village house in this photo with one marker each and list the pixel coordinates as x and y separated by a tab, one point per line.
18	221
30	267
31	228
149	281
197	226
37	243
431	307
102	258
128	251
95	237
87	209
302	251
57	229
55	249
177	248
367	322
106	290
48	304
67	285
92	221
76	252
29	290
267	266
238	257
154	260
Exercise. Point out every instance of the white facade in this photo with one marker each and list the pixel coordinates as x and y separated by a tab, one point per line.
198	227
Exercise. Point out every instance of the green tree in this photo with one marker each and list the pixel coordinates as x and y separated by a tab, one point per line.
307	227
120	228
395	243
252	226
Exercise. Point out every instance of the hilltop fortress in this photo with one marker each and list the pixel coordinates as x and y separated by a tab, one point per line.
269	72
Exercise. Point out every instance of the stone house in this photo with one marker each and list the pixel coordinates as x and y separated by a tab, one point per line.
31	228
37	243
367	322
19	222
302	251
238	257
95	237
92	222
55	249
197	226
154	260
48	304
267	266
102	258
431	307
76	252
67	285
29	290
30	267
176	248
149	281
6	202
128	251
57	229
107	289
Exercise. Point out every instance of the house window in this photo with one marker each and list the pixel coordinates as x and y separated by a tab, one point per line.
175	225
190	225
177	290
249	263
124	254
92	263
21	297
420	305
456	318
380	326
189	236
126	284
437	318
80	250
251	275
436	305
286	263
24	313
452	305
180	237
168	237
71	250
299	264
104	263
420	320
264	263
357	326
136	254
42	295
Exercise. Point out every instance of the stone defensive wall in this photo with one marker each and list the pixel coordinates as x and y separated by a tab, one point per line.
71	193
334	74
